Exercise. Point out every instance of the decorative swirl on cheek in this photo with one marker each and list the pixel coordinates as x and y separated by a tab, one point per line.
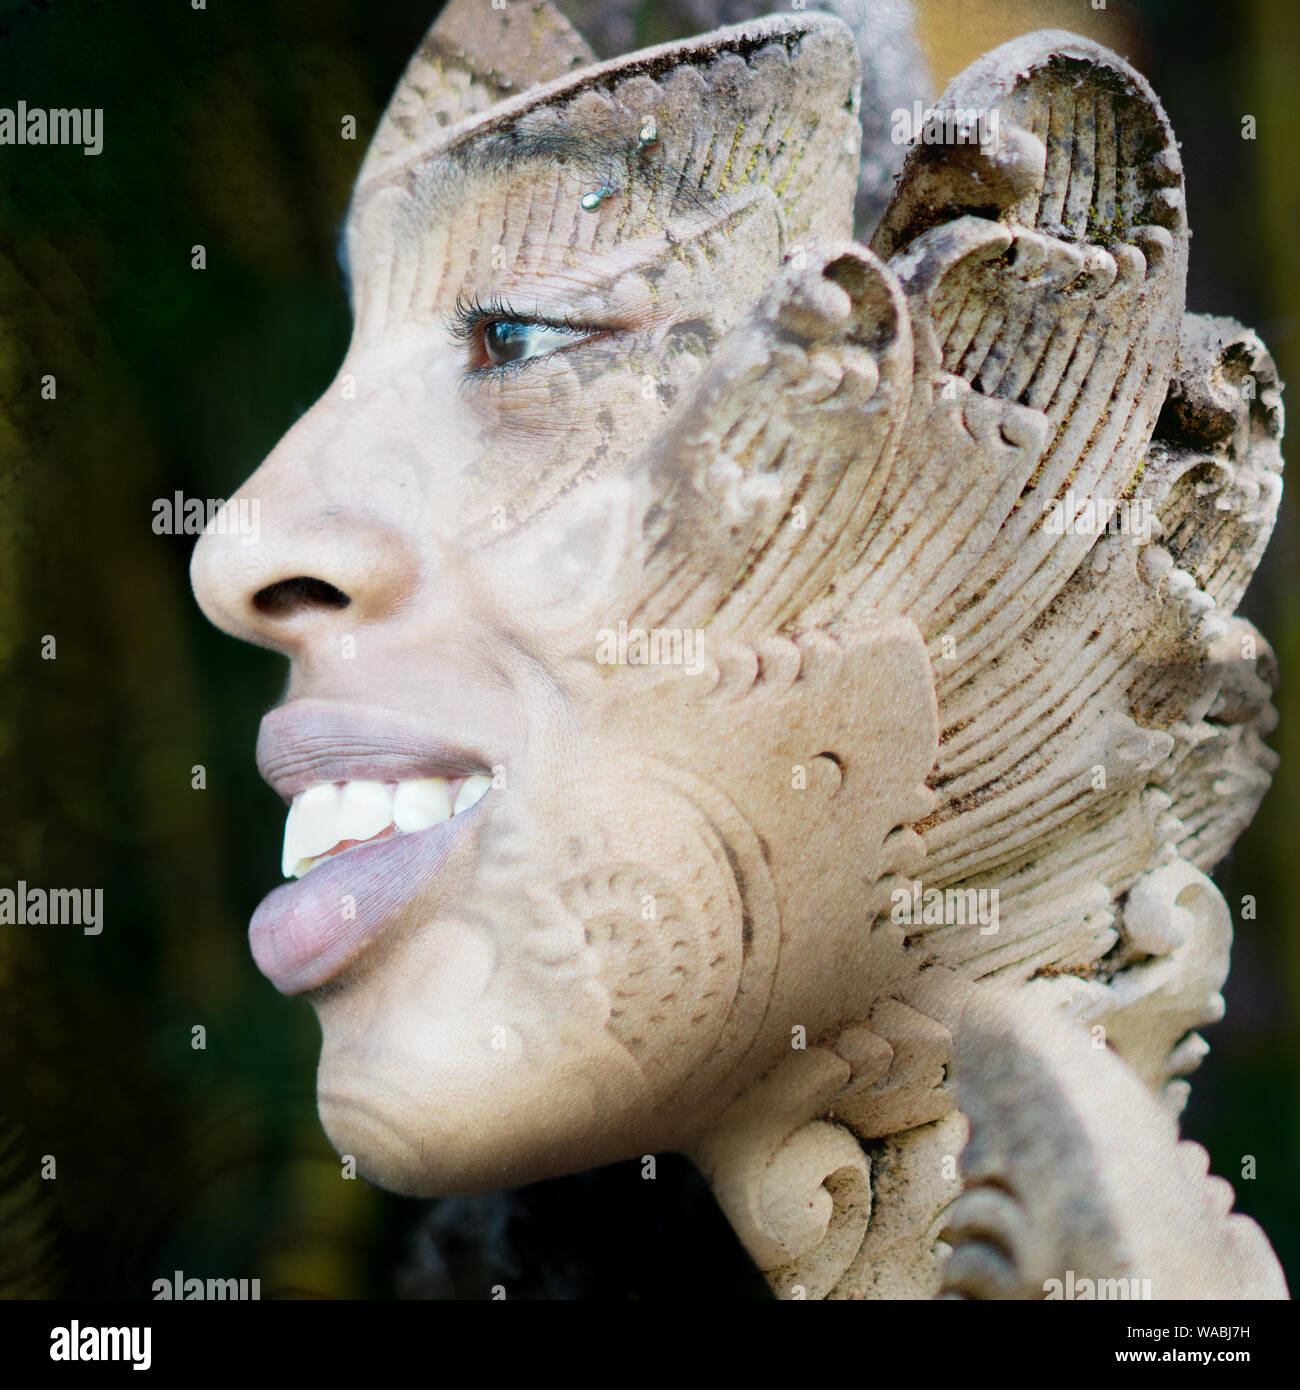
666	907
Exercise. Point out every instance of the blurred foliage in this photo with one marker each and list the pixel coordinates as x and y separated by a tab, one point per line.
222	128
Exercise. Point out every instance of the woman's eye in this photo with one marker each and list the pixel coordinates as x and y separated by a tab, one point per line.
511	340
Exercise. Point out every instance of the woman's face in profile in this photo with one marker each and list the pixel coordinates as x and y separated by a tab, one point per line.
517	912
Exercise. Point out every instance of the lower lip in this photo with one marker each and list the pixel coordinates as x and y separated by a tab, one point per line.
305	933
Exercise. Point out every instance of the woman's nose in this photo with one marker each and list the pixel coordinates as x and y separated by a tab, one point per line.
313	540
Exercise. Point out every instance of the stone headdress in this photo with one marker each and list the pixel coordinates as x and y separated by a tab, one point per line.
1005	433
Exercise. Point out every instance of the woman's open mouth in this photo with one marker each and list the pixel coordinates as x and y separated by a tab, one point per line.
331	818
377	806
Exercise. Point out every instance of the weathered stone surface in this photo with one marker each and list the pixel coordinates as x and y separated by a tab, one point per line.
903	834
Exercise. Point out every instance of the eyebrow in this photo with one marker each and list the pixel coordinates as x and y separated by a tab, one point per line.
440	178
611	163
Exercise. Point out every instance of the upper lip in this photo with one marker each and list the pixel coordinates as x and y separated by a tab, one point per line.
311	741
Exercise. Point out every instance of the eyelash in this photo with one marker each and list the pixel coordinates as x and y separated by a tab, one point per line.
472	312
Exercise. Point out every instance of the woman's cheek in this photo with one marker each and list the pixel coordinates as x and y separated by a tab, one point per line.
589	407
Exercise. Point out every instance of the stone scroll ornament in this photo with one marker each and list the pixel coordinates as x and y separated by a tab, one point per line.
870	608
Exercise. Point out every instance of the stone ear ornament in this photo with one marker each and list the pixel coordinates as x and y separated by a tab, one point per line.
964	514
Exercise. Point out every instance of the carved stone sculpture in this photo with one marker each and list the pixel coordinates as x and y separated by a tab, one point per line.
767	696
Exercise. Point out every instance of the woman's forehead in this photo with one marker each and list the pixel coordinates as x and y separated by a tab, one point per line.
496	220
681	129
588	164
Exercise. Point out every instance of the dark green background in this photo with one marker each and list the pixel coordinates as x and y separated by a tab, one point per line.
222	127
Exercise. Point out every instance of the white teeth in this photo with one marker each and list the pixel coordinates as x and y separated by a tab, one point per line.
365	809
289	860
471	791
315	817
328	814
418	805
310	827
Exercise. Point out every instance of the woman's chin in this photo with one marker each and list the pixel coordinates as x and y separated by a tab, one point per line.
455	1114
